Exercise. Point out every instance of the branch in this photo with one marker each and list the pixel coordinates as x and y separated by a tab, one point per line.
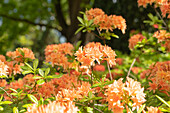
59	15
27	21
131	67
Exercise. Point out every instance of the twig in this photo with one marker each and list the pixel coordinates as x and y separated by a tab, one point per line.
161	18
109	71
131	67
27	21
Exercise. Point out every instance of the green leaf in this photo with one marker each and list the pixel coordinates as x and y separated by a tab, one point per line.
89	109
163	100
6	102
77	45
13	90
41	72
35	63
15	110
78	30
20	51
47	71
28	65
90	94
26	72
36	77
141	108
1	108
26	105
80	20
40	82
32	98
55	76
96	85
116	36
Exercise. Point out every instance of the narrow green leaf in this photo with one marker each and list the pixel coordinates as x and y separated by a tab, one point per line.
41	72
40	82
36	77
35	63
1	108
32	98
26	105
141	108
15	110
163	100
80	20
96	85
78	30
13	90
26	72
56	76
90	94
6	102
28	65
47	71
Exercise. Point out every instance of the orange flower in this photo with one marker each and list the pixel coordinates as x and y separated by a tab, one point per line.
165	8
95	52
136	70
28	80
167	45
46	90
3	69
145	2
3	83
17	68
92	13
54	107
99	68
135	39
56	54
106	22
2	58
119	22
17	56
162	35
153	110
119	94
159	75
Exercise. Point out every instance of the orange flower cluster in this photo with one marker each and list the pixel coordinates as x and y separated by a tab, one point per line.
120	94
106	22
159	74
99	68
17	55
153	110
162	35
54	107
56	54
64	99
3	83
136	70
14	68
95	52
2	58
165	8
135	39
3	69
163	4
167	45
14	85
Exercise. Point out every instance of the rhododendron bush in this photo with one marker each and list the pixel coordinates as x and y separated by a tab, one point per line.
93	78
